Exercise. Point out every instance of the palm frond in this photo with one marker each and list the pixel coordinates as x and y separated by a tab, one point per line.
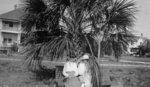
95	72
34	55
58	46
116	44
45	18
121	14
34	12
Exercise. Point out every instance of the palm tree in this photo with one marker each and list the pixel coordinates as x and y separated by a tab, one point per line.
58	29
116	44
118	19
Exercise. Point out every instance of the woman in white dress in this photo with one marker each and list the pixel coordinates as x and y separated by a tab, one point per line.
89	71
70	72
84	72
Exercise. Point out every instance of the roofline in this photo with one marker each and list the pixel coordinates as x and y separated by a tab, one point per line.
10	20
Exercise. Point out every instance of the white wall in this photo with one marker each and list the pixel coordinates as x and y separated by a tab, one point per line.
0	32
135	44
6	26
14	37
13	33
0	23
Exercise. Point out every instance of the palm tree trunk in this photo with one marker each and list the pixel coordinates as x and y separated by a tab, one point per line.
89	45
99	50
99	40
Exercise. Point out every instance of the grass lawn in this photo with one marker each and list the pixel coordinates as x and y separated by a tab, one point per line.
14	56
16	74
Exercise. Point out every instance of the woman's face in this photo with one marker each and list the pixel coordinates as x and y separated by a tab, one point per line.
84	61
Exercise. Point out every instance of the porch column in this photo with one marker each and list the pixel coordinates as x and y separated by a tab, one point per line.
19	38
1	38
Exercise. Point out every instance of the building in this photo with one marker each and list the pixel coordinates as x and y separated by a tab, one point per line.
10	28
134	46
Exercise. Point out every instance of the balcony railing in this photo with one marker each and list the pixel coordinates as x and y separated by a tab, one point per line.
10	29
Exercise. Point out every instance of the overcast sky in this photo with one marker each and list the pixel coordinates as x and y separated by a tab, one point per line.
7	5
142	24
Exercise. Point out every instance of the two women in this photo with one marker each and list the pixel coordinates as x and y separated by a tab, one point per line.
78	73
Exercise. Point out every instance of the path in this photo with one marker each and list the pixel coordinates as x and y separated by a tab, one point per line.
122	63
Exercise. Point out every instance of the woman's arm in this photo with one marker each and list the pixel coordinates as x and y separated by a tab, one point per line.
64	70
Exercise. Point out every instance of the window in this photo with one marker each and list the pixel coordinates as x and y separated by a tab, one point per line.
10	24
7	40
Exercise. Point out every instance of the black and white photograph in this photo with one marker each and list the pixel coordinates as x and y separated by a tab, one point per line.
74	43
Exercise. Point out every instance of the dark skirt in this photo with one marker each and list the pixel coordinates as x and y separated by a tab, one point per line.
72	82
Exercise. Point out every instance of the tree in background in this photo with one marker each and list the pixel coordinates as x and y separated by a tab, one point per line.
117	44
144	48
59	29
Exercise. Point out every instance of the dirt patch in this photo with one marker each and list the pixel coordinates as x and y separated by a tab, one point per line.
128	76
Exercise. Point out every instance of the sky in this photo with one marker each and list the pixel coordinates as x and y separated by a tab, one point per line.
142	23
7	5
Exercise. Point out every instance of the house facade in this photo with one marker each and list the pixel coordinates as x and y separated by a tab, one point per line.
133	47
10	28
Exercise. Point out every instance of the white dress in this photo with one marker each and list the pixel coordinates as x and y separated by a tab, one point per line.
85	76
69	67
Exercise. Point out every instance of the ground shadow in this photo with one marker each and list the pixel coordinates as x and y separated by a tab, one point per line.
44	74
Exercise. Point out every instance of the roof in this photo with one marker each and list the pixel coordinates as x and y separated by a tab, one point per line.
15	14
